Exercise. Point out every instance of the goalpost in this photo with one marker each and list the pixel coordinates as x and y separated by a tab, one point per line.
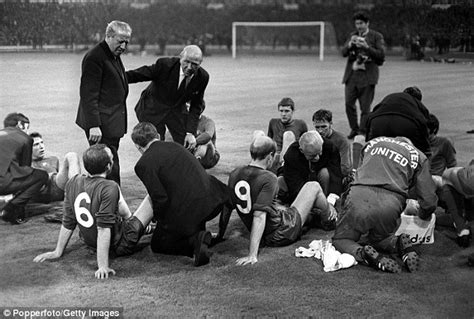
320	24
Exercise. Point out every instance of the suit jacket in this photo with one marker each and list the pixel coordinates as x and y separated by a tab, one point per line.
162	96
183	195
404	105
375	52
103	92
15	155
297	171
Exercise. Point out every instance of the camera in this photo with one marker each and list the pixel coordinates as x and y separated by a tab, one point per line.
360	58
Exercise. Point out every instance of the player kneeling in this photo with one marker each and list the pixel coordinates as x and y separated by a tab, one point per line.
254	189
97	206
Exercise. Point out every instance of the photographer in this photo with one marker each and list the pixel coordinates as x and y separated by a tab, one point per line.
365	51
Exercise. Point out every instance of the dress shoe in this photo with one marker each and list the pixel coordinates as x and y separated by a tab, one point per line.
56	217
13	215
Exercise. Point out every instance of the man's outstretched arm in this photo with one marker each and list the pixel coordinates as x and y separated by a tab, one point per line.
63	239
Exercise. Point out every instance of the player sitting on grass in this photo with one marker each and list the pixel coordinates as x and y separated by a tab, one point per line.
457	194
253	189
93	203
322	122
443	153
285	130
205	150
53	190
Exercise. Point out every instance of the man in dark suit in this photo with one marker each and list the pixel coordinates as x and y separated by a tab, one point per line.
312	158
401	114
175	97
365	51
102	112
16	174
183	195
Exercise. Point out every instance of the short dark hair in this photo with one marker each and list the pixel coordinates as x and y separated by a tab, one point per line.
12	119
143	133
261	147
361	15
36	134
96	158
322	115
414	91
286	101
433	124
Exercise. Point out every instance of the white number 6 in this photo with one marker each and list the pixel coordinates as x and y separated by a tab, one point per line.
83	215
243	196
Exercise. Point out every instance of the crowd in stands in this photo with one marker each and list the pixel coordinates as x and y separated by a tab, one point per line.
36	24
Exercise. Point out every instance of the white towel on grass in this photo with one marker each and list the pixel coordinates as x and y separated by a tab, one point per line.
324	250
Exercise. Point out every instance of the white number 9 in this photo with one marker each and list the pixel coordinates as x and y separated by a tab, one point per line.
83	215
245	196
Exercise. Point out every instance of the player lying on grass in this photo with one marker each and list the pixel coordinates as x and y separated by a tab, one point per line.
92	202
59	174
253	189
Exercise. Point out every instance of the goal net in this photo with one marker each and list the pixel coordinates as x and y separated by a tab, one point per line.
308	37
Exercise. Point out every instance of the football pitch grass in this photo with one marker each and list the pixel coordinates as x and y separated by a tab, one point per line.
241	97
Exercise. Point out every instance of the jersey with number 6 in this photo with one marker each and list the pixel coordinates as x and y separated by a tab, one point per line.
91	202
252	188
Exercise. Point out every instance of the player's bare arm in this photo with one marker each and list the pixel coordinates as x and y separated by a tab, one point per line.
63	239
258	226
103	245
123	208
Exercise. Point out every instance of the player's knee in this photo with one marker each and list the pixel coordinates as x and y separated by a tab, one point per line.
258	133
289	137
71	156
314	186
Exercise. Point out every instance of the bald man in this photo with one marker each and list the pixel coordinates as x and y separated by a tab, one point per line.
312	158
253	189
175	96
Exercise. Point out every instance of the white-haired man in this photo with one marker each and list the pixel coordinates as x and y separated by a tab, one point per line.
312	158
175	96
102	112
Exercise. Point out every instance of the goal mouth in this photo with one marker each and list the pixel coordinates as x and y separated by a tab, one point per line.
281	38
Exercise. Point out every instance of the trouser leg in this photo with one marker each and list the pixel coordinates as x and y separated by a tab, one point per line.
169	243
175	124
113	144
25	188
366	96
351	110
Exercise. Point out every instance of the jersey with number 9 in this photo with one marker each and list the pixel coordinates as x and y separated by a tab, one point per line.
91	202
252	188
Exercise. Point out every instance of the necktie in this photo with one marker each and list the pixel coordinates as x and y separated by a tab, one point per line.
184	83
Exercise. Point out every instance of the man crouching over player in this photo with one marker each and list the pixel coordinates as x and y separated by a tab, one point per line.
371	208
253	189
105	223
